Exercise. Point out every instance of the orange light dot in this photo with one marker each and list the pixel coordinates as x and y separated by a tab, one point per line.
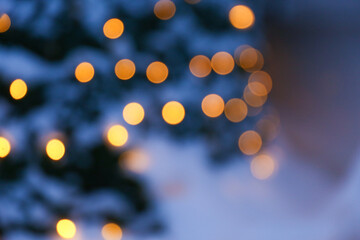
241	17
200	66
164	9
222	63
253	100
157	72
5	23
111	231
173	112
84	72
135	160
113	28
117	135
236	110
133	113
66	228
263	78
18	89
250	142
262	166
125	69
5	147
212	105
55	149
249	59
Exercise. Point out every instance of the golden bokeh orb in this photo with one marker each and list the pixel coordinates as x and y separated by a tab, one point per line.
264	79
5	147
55	149
157	72
252	99
66	228
250	142
111	231
222	63
84	72
135	160
117	135
5	23
241	17
125	69
18	89
133	113
173	112
200	66
262	166
113	28
212	105
250	59
236	110
164	9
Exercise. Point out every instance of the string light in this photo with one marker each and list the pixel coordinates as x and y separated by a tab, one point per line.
111	231
125	69
133	113
135	160
250	142
18	89
5	23
113	28
212	105
117	135
236	110
157	72
253	100
66	228
262	166
222	63
55	149
164	9
173	112
5	147
265	83
249	58
84	72
241	17
200	66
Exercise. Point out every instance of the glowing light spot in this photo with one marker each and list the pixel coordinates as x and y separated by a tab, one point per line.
212	105
135	160
250	142
241	17
117	135
164	9
157	72
262	166
222	63
252	99
5	23
55	149
111	231
133	113
200	66
249	58
84	72
5	147
173	112
66	228
192	1
125	69
236	110
18	89
113	28
265	83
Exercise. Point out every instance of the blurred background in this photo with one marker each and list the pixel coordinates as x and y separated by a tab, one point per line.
150	119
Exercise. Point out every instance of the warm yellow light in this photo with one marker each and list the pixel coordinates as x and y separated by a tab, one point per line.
241	17
236	110
164	9
253	100
125	69
5	23
113	28
265	81
250	142
66	228
111	231
200	66
133	113
84	72
212	105
222	63
18	89
157	72
250	59
173	112
55	149
135	160
117	135
5	147
262	166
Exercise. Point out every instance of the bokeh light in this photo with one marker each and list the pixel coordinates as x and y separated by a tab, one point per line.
66	228
164	9
236	110
135	160
55	149
268	127
265	83
249	58
200	66
111	231
5	147
241	17
157	72
133	113
18	89
173	112
262	166
125	69
250	142
113	28
5	23
222	63
212	105
84	72
117	135
253	100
